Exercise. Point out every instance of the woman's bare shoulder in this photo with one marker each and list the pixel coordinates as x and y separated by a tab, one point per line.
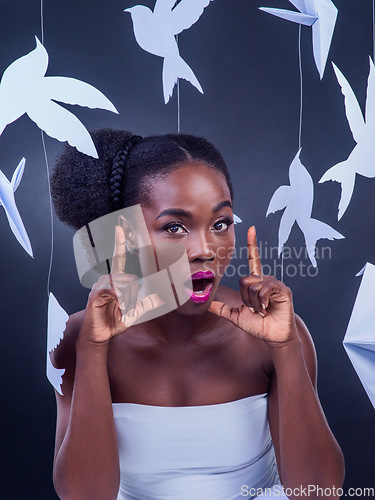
64	354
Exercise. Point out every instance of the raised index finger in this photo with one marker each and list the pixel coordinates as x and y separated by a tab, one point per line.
255	265
119	253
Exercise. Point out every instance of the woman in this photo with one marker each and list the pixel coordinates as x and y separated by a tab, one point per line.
182	401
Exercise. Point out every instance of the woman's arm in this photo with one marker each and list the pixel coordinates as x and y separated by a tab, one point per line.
86	464
306	450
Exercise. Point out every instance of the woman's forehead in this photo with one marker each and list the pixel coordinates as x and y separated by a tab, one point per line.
187	184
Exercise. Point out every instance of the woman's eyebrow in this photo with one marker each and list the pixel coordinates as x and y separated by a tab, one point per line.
219	206
180	212
175	211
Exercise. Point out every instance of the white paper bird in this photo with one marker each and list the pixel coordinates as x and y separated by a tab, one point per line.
236	219
7	190
297	199
359	340
321	15
361	159
57	319
25	89
362	271
155	33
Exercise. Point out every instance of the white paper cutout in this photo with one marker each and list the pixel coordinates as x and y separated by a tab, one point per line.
25	89
236	219
359	340
57	319
321	15
155	33
361	272
297	199
361	159
7	190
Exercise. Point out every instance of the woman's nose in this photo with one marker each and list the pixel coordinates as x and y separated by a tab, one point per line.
200	248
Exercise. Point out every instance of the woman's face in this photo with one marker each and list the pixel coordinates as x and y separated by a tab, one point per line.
192	206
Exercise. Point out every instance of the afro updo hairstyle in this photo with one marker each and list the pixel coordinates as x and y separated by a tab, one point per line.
80	184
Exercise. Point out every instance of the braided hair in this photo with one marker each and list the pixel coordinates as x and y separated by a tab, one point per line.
84	188
116	180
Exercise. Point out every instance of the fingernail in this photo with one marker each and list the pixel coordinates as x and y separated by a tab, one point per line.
264	306
262	314
252	309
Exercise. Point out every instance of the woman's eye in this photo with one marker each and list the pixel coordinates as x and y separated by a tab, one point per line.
223	225
175	229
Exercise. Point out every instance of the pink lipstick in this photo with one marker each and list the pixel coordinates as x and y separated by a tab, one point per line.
202	282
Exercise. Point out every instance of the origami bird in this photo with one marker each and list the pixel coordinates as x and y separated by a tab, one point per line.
236	219
25	89
362	271
57	319
7	190
155	33
361	159
359	340
321	15
297	199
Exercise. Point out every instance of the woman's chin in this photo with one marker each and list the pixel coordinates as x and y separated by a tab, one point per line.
192	309
197	302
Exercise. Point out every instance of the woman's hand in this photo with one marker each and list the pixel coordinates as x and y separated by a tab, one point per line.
112	306
267	309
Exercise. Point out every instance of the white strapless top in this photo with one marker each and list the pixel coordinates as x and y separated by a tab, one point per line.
217	452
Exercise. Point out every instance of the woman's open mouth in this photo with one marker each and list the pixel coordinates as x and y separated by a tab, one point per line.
202	282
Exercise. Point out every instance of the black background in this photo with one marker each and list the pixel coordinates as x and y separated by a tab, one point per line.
247	64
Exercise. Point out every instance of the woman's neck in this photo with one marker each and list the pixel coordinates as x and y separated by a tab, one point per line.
176	327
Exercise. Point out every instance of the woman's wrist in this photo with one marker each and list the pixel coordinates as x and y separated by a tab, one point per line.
84	344
91	363
288	351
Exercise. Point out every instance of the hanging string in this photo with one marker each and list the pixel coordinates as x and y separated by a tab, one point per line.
178	106
47	169
300	120
41	22
301	87
178	99
51	215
